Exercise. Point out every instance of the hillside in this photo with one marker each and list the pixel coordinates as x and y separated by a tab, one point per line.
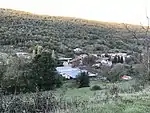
23	30
35	85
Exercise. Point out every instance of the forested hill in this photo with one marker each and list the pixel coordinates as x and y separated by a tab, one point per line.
24	30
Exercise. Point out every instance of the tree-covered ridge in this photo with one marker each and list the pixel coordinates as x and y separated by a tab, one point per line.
62	34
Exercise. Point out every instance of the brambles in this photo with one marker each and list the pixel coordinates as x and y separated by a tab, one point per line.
96	87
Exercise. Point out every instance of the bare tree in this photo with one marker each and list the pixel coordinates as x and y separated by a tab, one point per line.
146	39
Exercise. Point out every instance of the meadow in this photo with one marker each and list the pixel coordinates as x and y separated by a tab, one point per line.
121	97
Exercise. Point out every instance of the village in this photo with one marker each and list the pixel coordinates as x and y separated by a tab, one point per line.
69	68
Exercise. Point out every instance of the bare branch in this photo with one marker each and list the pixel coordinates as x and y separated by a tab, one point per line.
134	33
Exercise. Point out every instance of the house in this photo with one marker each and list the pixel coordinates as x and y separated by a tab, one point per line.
23	55
65	61
66	64
92	74
69	72
97	65
77	50
112	55
106	63
125	77
95	55
102	62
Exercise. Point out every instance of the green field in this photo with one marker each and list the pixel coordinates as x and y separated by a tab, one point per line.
104	102
83	100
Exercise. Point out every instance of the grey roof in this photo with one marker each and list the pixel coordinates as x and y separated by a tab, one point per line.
72	72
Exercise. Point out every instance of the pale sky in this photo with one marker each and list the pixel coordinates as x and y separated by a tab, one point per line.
124	11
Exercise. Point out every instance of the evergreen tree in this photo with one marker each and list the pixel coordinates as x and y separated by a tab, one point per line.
53	54
115	59
121	60
43	72
82	80
118	59
37	50
131	71
106	55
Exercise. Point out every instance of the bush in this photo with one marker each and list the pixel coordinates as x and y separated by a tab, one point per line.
115	72
99	47
13	80
96	87
137	87
40	104
129	60
70	84
3	69
82	80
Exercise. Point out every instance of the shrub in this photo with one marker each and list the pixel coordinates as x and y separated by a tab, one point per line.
3	69
40	104
58	80
115	72
82	80
99	47
129	60
14	79
114	90
132	72
137	87
96	87
70	84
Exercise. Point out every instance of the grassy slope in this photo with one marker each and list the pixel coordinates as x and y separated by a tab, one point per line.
85	101
135	102
23	29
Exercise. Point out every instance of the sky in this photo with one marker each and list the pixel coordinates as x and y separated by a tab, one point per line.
121	11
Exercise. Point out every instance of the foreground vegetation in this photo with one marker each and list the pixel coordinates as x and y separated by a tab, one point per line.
81	100
35	87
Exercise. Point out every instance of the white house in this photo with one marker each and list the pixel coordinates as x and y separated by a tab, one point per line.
112	55
23	55
106	63
96	65
65	61
77	50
